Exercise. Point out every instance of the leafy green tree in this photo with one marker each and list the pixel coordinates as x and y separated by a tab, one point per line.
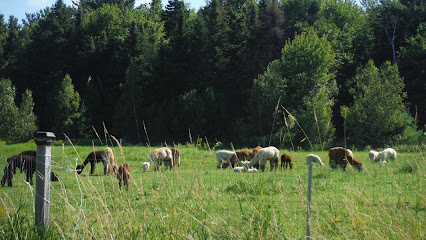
70	115
8	110
27	119
378	113
302	82
346	28
18	124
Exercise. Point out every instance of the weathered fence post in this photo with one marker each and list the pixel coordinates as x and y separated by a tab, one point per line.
308	220
44	141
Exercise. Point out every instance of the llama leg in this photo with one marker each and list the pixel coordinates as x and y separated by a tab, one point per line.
9	178
92	166
29	176
3	180
105	167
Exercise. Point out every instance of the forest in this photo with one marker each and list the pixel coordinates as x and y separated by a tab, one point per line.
298	73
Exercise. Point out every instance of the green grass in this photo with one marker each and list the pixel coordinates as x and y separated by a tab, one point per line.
199	201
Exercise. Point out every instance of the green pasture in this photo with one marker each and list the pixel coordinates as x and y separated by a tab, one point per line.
199	201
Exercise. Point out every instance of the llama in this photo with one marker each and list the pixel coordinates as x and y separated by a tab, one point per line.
269	153
175	159
241	155
255	151
373	155
243	169
314	158
110	161
388	153
106	157
286	161
27	164
223	158
158	156
123	175
339	156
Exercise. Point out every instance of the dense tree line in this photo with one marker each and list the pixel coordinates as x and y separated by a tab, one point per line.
293	72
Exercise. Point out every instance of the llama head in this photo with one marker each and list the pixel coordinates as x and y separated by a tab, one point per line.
373	155
145	166
79	168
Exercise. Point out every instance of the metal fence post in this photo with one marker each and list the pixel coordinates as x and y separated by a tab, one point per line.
308	220
44	141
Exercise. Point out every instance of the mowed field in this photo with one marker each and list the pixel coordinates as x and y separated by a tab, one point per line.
199	201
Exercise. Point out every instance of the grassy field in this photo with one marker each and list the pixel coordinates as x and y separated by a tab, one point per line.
199	201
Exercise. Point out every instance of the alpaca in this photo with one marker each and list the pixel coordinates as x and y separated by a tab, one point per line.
314	158
158	156
243	169
388	153
241	155
255	151
110	161
17	162
373	155
26	162
106	157
286	161
175	159
269	153
123	175
223	158
339	156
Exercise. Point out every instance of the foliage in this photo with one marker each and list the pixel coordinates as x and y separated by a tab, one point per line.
70	115
378	114
18	123
306	92
412	65
134	60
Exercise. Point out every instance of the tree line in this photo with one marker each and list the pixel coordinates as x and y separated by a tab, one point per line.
298	73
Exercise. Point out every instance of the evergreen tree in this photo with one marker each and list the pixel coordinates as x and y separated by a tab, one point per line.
412	64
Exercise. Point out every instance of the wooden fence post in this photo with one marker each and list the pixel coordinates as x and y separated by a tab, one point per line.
44	141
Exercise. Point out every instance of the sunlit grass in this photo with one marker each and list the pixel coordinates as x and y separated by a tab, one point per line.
200	201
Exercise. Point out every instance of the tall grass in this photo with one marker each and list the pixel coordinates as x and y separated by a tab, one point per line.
199	201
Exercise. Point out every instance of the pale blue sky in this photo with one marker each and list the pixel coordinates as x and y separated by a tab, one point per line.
18	8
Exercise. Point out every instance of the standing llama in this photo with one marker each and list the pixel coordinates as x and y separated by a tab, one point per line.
106	157
158	156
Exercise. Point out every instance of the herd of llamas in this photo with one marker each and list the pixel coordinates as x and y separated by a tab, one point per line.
242	160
